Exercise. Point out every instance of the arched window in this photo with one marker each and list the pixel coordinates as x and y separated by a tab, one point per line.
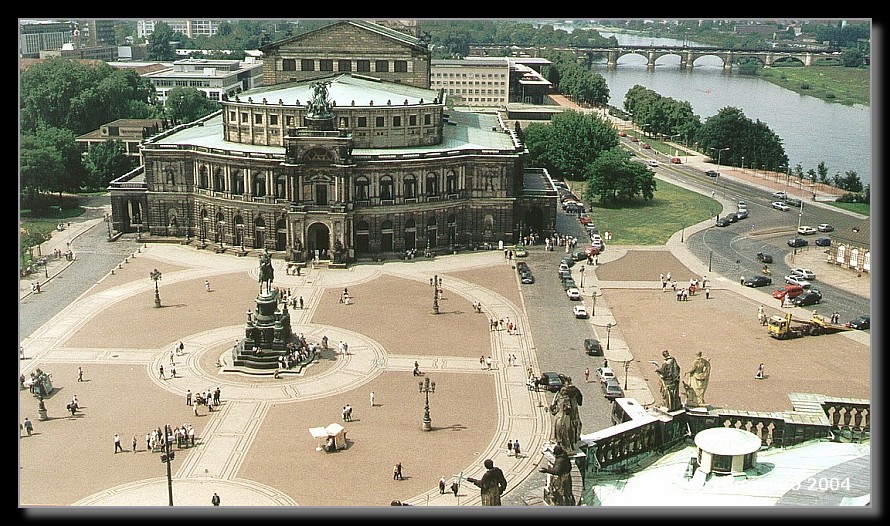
361	188
239	231
281	187
410	187
451	183
238	182
432	184
259	184
219	180
432	231
386	188
203	180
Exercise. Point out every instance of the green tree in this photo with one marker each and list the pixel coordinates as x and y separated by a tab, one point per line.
159	43
569	143
188	104
40	164
822	170
613	178
850	182
105	162
852	58
755	141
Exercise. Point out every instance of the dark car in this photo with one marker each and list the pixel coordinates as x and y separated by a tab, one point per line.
797	242
551	381
731	218
521	267
527	278
810	297
593	347
793	202
578	256
823	242
568	261
861	322
758	281
724	221
825	227
568	283
741	214
612	389
711	173
764	258
564	275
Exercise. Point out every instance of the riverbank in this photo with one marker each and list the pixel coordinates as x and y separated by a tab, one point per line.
835	84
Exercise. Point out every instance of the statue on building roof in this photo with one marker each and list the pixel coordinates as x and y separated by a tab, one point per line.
320	106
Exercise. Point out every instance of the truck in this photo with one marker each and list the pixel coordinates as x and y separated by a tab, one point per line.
786	327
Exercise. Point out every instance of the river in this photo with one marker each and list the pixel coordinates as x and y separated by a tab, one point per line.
811	130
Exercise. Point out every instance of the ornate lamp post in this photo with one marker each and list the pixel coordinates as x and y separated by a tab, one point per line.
581	270
608	335
166	458
626	366
156	275
427	387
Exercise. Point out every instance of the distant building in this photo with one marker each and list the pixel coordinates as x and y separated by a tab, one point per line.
131	132
491	82
43	35
189	28
216	78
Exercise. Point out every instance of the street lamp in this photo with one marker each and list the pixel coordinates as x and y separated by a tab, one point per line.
108	221
581	270
167	458
743	164
427	387
719	151
593	308
156	275
608	335
626	366
672	137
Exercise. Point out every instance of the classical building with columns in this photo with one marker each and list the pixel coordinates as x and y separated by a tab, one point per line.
344	153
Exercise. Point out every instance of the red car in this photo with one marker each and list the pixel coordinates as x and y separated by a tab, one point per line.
634	139
584	220
792	291
675	160
622	134
646	146
591	251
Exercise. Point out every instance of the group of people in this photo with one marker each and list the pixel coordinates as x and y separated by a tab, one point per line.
500	324
209	398
683	293
477	306
181	436
347	413
485	362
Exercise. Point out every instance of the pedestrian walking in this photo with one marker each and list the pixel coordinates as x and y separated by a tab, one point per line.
301	302
482	361
79	374
161	372
454	487
587	374
188	397
668	276
509	447
442	485
741	280
134	443
759	374
372	398
172	354
207	285
215	499
195	407
515	448
397	471
708	293
28	426
173	372
117	443
488	363
180	348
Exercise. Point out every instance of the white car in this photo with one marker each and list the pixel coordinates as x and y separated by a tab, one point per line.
805	273
652	162
780	195
580	311
605	373
797	280
742	205
573	293
779	205
806	230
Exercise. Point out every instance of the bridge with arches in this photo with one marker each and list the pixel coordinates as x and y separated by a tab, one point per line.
688	55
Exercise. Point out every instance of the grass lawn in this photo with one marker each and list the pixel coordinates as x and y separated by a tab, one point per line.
829	83
651	222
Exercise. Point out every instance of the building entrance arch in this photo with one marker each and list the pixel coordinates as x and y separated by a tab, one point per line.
318	240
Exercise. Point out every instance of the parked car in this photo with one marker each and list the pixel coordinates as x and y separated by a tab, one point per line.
622	134
741	214
779	205
797	280
573	293
568	261
612	389
645	145
780	195
527	278
823	242
806	230
652	162
742	205
764	258
793	202
712	173
805	273
810	297
860	322
633	138
585	220
724	221
731	218
579	255
758	281
825	227
580	311
797	242
563	274
521	266
569	283
593	347
676	160
591	250
605	373
551	381
520	251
